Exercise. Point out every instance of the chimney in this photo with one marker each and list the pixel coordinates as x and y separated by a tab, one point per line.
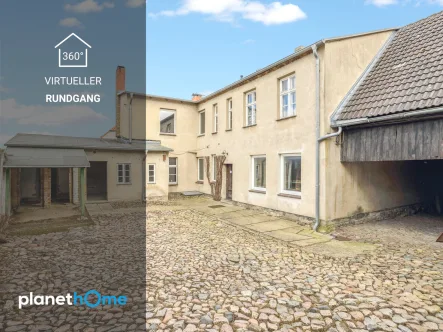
120	85
196	97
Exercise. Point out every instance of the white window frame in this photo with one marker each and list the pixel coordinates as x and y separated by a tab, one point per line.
253	105
124	169
176	170
198	169
253	187
175	121
154	170
282	173
229	124
288	92
215	113
200	123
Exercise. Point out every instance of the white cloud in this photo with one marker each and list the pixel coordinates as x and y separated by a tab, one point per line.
381	3
228	10
88	6
71	22
135	3
248	41
47	116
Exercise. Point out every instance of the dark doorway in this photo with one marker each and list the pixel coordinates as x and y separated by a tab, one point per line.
60	185
228	181
30	186
96	181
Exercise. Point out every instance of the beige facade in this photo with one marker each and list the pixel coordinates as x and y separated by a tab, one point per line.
344	189
117	191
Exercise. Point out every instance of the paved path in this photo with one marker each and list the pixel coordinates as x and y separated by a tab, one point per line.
277	227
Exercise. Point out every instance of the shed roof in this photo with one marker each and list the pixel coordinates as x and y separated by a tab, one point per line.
92	143
408	75
45	157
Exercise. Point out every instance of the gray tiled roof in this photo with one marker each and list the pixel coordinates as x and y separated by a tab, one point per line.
45	157
49	141
408	76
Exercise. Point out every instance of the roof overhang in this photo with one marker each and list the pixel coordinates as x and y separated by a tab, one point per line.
21	157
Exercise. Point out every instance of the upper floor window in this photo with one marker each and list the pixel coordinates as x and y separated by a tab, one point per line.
287	97
251	109
202	124
259	173
229	115
215	118
151	173
173	170
167	121
123	173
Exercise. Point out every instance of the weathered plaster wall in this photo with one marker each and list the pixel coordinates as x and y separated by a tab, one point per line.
132	191
352	188
160	188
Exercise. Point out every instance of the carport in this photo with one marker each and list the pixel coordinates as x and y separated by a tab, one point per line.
30	172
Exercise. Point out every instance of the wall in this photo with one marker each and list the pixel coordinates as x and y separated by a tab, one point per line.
160	188
121	192
146	126
270	137
352	188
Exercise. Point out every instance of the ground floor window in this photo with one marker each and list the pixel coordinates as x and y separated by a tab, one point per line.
201	170
151	173
173	170
291	173
123	173
259	172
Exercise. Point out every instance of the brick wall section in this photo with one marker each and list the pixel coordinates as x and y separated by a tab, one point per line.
120	85
15	188
75	186
45	177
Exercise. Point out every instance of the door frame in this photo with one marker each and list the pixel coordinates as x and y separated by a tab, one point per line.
229	181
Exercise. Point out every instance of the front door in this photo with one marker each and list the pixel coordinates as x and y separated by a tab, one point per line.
228	181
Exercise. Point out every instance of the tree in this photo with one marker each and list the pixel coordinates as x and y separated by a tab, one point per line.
219	162
208	174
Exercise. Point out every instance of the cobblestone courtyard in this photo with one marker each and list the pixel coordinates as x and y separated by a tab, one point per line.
205	274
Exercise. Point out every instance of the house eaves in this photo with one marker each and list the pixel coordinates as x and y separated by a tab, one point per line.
272	67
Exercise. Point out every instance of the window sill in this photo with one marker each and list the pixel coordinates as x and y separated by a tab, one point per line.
228	129
253	125
173	184
287	117
168	134
124	184
199	182
200	135
257	191
215	132
297	196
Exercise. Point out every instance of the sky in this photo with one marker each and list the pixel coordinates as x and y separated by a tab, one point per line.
169	48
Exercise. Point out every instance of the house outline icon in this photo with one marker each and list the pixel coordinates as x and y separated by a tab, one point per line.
60	52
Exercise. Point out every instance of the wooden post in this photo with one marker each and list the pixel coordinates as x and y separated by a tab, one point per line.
8	192
82	190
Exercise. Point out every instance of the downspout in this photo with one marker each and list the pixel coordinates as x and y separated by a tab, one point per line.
130	117
319	139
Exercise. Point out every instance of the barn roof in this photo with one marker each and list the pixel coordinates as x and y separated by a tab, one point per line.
407	76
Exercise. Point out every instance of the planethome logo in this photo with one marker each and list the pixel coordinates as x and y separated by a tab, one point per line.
72	299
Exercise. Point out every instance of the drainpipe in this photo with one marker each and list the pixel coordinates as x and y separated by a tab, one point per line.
317	136
130	117
319	139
